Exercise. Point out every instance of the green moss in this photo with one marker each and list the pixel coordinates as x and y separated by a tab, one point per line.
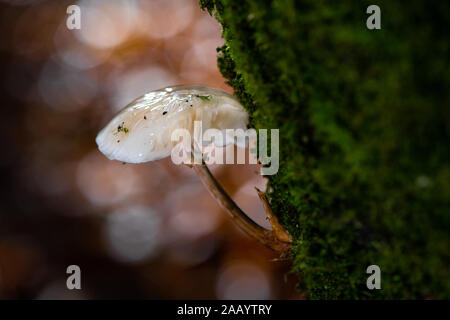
122	128
204	98
364	135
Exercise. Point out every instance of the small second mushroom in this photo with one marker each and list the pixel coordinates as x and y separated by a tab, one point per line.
142	132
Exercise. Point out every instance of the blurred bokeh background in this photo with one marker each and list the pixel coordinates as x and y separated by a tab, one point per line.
136	231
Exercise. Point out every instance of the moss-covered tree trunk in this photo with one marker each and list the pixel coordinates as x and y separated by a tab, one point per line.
364	119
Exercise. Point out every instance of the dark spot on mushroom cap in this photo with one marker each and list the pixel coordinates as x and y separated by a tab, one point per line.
164	112
121	128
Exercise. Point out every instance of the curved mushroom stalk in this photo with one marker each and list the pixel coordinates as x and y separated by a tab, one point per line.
277	239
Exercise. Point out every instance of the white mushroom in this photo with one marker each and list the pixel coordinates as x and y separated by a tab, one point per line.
142	132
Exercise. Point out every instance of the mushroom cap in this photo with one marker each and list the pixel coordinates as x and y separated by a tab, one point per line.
142	131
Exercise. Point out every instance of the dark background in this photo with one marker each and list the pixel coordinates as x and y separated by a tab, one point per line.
136	231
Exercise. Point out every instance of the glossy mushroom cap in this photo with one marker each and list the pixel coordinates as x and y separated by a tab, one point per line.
142	131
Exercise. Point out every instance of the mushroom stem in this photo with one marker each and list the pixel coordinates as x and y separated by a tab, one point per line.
268	238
